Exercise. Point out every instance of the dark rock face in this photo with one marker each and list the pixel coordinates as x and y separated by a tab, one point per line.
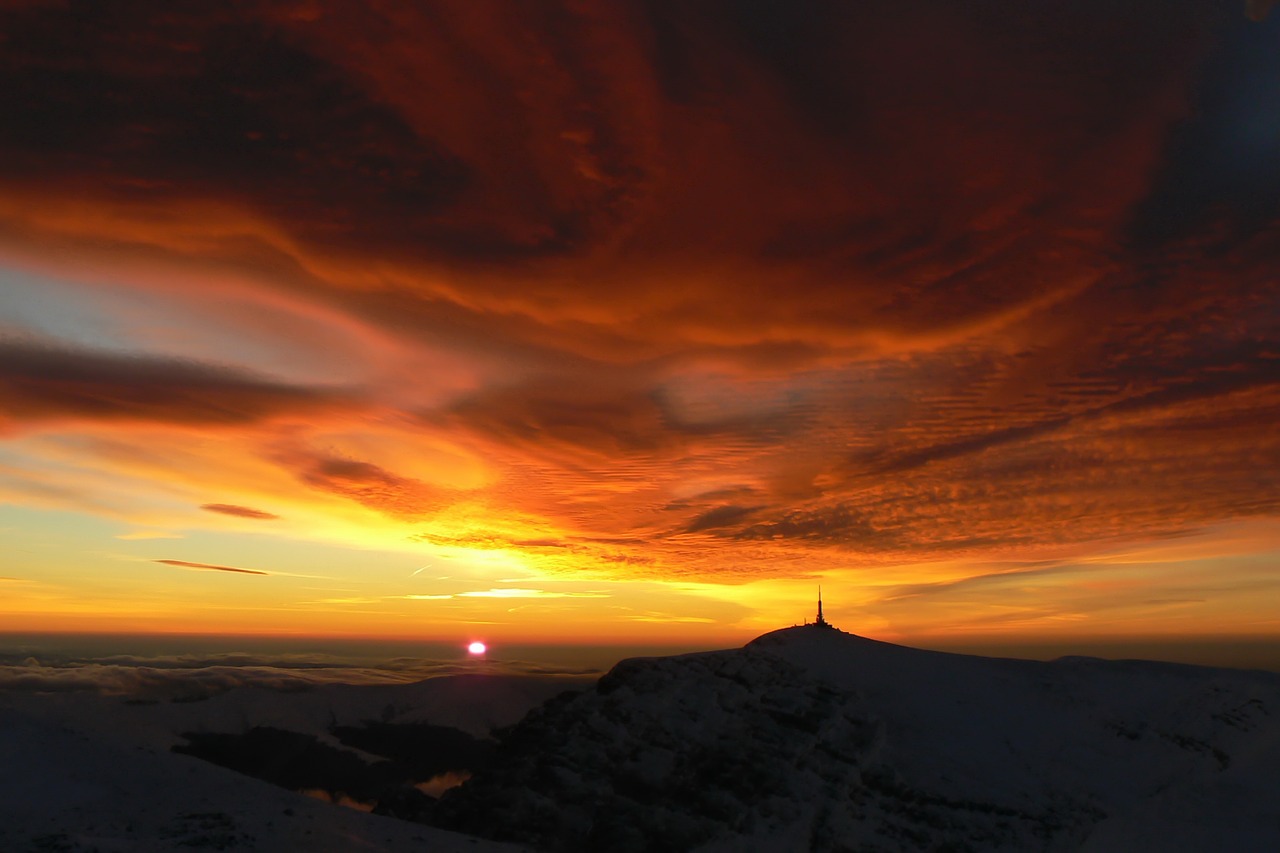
735	750
411	753
284	758
417	751
668	754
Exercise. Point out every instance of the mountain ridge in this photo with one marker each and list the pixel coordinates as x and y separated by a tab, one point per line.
811	738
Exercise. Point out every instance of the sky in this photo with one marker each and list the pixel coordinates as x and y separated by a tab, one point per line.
635	322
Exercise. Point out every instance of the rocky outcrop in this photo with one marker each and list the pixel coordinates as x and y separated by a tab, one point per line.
666	754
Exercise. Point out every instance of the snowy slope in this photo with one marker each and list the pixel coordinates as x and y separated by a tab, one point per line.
816	739
1176	757
805	739
83	771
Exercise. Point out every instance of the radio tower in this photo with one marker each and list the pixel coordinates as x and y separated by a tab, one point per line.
821	623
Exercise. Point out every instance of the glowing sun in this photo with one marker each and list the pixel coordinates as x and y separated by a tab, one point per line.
476	648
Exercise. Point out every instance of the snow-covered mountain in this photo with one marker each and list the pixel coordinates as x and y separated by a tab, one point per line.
84	771
814	739
805	739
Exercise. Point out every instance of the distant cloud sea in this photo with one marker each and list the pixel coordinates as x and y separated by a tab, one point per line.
193	668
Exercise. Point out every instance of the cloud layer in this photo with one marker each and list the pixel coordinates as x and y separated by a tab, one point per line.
719	290
189	678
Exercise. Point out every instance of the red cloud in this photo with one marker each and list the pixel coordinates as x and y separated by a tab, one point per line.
890	279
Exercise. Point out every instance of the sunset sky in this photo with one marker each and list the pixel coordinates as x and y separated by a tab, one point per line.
636	321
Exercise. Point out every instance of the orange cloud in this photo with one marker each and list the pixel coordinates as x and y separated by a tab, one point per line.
365	483
719	290
629	163
239	511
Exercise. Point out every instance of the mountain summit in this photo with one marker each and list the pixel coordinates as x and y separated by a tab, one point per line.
810	738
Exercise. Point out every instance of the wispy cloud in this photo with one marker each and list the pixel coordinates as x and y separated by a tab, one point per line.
144	535
42	382
184	564
515	592
1006	576
239	511
667	617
